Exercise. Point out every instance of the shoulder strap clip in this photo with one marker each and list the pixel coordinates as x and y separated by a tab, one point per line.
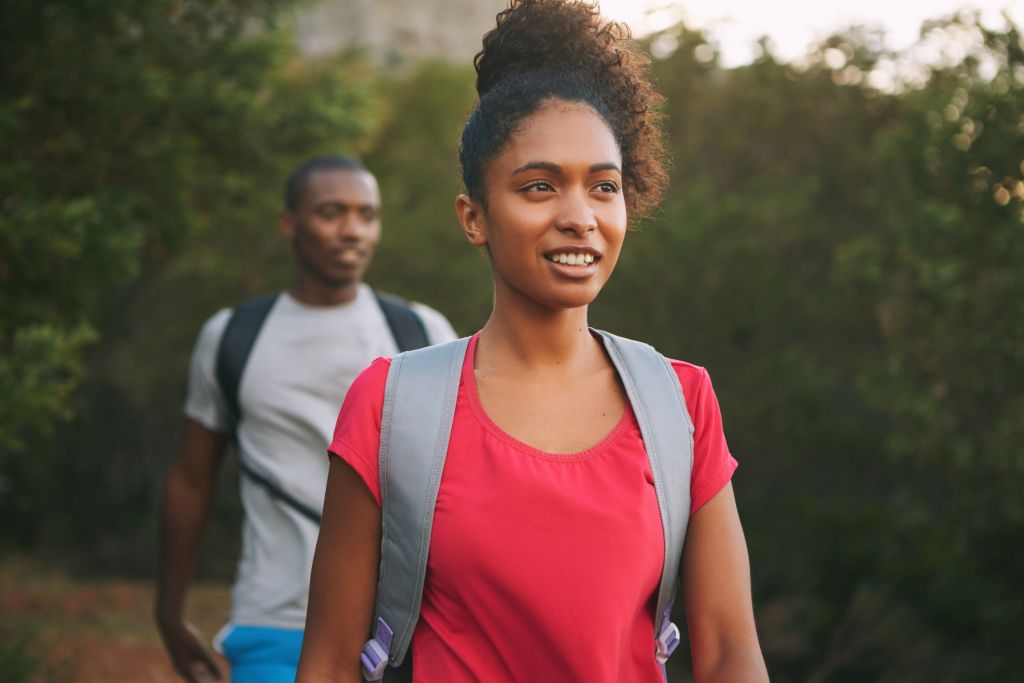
376	652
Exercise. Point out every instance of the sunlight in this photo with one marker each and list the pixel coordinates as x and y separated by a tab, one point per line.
792	25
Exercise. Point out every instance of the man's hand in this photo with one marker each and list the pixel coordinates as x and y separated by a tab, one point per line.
191	658
188	495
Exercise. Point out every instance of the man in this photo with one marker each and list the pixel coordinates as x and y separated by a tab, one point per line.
273	374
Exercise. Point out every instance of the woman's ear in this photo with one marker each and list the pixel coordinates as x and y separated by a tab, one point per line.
471	216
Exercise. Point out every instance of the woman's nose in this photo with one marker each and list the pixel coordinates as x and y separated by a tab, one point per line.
576	214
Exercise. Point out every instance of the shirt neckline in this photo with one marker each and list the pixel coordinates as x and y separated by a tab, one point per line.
469	382
362	289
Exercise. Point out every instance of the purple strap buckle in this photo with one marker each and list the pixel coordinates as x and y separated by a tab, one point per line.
376	652
667	643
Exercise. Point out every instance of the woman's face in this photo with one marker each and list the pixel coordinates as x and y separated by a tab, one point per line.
555	215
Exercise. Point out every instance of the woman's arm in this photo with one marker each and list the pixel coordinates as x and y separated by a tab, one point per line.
343	583
716	588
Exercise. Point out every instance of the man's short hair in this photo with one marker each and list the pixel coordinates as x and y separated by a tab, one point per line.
297	181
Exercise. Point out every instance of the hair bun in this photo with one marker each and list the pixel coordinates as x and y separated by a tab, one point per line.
562	35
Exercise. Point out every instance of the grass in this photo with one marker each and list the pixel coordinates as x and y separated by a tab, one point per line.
56	627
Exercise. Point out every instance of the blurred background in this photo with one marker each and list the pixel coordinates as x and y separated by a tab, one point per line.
842	248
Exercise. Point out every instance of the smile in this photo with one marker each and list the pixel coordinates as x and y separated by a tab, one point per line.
571	259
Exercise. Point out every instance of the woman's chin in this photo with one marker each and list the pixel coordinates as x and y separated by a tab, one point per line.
571	299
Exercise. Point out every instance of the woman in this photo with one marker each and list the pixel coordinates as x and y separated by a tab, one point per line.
547	544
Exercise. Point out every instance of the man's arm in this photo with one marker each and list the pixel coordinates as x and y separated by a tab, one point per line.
716	585
188	496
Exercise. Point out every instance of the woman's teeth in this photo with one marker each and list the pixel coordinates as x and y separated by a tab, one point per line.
572	259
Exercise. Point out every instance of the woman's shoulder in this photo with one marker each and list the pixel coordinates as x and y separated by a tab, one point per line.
691	372
373	375
376	370
694	380
370	384
365	395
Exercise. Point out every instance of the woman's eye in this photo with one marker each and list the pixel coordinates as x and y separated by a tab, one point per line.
539	186
607	186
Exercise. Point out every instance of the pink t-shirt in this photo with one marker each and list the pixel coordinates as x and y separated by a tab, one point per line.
542	567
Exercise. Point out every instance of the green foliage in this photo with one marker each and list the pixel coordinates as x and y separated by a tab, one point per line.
37	378
848	264
131	134
96	162
949	378
424	254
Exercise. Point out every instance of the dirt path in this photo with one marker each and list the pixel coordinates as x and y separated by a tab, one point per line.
97	631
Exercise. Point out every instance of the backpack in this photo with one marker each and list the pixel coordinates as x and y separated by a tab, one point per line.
236	344
416	421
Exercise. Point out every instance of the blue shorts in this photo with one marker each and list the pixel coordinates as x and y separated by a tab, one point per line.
261	654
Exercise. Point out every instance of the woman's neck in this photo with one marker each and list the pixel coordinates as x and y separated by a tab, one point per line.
532	337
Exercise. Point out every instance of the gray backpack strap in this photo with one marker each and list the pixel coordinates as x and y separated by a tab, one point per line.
657	399
419	404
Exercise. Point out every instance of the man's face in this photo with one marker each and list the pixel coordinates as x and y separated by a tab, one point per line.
335	227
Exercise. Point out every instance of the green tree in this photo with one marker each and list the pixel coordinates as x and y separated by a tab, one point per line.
414	153
845	262
127	128
946	279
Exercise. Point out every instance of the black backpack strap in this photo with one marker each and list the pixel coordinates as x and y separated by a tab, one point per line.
279	493
236	344
406	325
238	340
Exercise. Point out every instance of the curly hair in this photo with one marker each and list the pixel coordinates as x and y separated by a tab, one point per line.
563	49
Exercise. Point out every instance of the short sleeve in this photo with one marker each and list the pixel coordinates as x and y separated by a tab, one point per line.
439	330
357	433
713	464
204	402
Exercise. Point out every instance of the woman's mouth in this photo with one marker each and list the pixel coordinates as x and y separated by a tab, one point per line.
570	258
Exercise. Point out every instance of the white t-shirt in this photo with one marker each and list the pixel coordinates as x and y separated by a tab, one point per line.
294	382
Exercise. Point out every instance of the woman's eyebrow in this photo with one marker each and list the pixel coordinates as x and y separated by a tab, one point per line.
538	165
555	168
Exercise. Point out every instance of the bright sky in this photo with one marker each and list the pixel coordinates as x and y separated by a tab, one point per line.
792	25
